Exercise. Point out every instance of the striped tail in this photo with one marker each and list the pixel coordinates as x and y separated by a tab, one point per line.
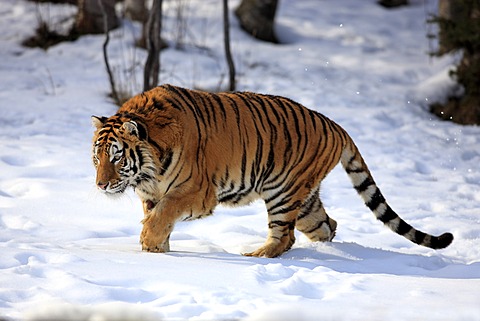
363	182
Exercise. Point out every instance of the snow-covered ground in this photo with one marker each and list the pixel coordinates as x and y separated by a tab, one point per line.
69	252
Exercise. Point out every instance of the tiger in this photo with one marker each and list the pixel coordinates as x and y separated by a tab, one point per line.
186	151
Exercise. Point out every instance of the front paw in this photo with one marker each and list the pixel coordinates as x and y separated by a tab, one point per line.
154	243
159	248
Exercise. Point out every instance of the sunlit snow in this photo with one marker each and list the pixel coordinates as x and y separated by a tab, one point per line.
69	253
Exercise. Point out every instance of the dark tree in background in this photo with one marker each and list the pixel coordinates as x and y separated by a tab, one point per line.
459	22
106	30
90	19
228	52
154	45
257	18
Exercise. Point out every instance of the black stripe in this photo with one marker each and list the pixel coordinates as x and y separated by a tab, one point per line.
220	104
291	225
173	181
388	215
189	103
174	103
206	106
233	191
282	202
139	155
133	157
419	237
313	119
280	192
363	186
142	131
254	110
157	104
208	97
323	120
235	195
166	161
302	109
227	198
243	168
375	200
234	106
257	162
307	207
284	210
184	181
273	108
154	143
279	179
355	170
403	228
193	105
294	115
316	227
224	180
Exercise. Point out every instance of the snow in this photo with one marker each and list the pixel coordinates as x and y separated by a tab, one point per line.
68	252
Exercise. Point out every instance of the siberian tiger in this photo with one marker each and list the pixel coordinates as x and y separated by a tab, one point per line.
185	151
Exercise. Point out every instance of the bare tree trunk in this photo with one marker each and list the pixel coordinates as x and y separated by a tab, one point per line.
450	10
154	45
105	54
90	19
228	54
257	18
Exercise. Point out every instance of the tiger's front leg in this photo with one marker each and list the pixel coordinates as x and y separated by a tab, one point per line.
158	223
160	218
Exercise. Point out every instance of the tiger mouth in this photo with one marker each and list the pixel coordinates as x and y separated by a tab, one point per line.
117	188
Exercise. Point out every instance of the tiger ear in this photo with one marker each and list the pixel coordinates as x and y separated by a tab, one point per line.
135	128
98	122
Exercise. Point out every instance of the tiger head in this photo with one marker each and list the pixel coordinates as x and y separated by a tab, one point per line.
120	154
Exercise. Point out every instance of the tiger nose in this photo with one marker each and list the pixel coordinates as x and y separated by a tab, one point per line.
102	186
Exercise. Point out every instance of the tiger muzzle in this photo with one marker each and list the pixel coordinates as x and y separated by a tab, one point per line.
103	186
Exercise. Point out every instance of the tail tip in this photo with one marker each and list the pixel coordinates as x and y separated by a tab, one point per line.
443	241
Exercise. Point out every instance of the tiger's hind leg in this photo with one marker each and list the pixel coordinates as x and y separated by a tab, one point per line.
314	222
281	225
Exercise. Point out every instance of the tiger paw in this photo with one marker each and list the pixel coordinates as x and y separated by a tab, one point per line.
155	247
269	250
159	248
154	243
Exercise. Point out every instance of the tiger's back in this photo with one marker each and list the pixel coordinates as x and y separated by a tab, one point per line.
235	147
